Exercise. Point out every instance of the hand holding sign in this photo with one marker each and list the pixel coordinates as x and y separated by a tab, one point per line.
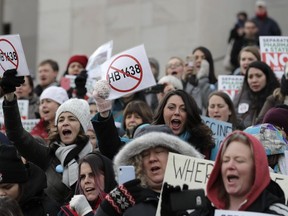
101	93
9	81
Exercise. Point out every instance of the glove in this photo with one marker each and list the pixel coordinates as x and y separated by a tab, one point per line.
166	203
124	196
80	82
100	93
9	81
204	70
80	204
193	80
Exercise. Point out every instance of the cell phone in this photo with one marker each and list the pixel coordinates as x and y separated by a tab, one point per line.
187	199
125	174
156	89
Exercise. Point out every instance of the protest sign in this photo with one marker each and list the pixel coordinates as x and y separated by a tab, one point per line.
28	124
181	169
128	72
195	173
23	106
12	55
238	213
100	55
274	51
220	130
230	84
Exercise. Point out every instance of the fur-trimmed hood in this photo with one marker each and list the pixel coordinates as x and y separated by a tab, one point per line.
152	140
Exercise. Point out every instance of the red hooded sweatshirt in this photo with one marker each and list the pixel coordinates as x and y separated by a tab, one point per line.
215	186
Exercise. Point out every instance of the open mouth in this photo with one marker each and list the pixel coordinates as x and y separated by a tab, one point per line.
176	123
45	111
232	178
89	189
155	169
66	132
174	73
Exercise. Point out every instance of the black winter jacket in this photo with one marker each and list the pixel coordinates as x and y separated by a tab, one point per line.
31	149
34	201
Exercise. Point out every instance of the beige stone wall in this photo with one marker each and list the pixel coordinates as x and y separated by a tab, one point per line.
166	27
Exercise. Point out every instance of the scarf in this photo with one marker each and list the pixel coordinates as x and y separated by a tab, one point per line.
185	136
70	173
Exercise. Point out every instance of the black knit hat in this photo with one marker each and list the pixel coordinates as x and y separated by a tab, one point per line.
12	169
261	66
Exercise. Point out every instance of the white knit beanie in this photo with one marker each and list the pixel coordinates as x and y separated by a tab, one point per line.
77	107
55	93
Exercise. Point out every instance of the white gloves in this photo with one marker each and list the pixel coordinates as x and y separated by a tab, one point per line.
204	70
80	204
100	93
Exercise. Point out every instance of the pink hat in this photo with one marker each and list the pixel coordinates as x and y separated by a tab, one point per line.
81	59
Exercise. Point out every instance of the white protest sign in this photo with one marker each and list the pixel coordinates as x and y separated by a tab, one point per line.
195	172
28	124
238	213
12	55
230	84
181	169
128	72
100	55
69	82
23	106
274	51
220	130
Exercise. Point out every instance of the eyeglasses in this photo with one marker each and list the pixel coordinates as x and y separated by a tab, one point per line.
174	65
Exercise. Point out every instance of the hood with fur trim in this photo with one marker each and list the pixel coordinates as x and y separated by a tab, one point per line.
215	185
152	140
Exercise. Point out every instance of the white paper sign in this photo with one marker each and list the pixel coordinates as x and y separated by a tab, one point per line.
274	51
23	106
28	124
230	84
128	72
100	55
12	55
238	213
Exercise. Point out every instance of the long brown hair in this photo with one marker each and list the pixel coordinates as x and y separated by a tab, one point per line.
200	133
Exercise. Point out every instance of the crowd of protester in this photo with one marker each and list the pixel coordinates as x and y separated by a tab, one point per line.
67	164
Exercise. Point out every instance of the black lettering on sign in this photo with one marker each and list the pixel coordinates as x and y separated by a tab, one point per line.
191	170
218	129
115	76
131	70
8	56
